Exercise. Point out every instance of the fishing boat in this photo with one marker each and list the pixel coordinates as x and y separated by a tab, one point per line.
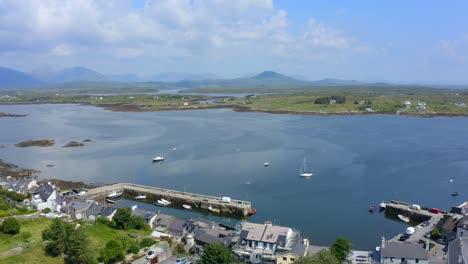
253	211
114	195
266	164
404	218
213	210
158	159
372	208
304	172
455	194
110	201
140	197
186	206
162	202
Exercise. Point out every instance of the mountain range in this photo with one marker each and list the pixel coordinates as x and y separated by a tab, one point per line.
77	77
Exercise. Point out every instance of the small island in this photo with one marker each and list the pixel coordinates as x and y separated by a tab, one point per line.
36	143
2	114
14	171
73	144
88	140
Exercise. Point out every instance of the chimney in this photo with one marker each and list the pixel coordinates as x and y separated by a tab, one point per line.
383	243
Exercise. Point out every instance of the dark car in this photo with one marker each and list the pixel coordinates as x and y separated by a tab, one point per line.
404	237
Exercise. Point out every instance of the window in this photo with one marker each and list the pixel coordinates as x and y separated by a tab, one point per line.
285	258
292	259
391	259
417	260
402	259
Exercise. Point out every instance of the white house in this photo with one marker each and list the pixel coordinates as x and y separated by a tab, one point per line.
45	196
403	252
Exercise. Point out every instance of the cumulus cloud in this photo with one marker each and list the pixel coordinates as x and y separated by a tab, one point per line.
159	29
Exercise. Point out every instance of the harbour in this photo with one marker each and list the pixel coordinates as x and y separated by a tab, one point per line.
177	198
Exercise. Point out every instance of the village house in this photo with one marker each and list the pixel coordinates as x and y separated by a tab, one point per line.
462	228
23	186
205	232
149	216
448	225
265	243
458	251
93	211
76	208
407	104
43	197
403	252
108	213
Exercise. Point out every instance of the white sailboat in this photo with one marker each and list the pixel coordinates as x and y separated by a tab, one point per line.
304	172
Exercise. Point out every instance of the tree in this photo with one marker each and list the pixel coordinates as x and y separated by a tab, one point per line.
76	248
133	248
323	257
147	242
216	254
112	253
341	248
56	236
122	218
10	226
436	233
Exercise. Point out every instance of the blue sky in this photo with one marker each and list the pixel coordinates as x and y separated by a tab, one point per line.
400	41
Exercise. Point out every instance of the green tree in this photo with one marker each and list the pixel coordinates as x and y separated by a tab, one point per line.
216	254
180	249
122	218
147	242
341	248
436	233
136	222
56	236
112	252
10	226
133	248
76	248
323	257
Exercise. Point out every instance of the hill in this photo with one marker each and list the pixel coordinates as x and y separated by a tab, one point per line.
77	74
10	78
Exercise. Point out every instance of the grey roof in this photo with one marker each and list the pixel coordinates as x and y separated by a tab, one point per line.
147	215
45	191
312	250
404	250
299	248
95	209
458	251
108	211
208	237
177	225
79	204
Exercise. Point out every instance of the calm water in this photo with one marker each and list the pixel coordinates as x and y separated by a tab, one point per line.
358	160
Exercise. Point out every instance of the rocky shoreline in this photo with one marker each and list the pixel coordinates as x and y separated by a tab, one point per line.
36	143
10	169
2	114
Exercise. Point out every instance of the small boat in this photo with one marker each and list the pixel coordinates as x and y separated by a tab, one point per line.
158	159
114	195
162	202
186	206
253	211
455	194
372	209
174	149
140	197
304	172
266	164
214	210
110	201
404	218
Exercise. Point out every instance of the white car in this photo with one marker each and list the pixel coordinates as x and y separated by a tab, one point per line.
151	254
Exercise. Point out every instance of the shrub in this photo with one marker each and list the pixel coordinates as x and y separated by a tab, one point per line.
113	252
133	248
10	226
147	242
46	210
180	249
436	233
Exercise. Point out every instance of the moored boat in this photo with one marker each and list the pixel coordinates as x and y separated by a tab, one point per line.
383	206
114	195
110	201
214	210
162	202
266	164
404	218
372	209
455	194
140	197
187	206
158	159
253	211
304	172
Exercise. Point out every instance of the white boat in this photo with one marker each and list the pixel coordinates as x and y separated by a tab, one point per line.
404	218
110	201
186	206
162	202
114	195
158	159
214	210
383	205
81	193
266	164
140	197
304	172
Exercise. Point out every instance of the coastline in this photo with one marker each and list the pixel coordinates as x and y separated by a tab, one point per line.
119	107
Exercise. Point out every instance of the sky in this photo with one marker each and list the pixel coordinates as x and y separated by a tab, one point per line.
397	41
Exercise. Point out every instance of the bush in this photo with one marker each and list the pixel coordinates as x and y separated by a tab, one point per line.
103	221
133	248
436	233
25	235
147	242
46	210
113	252
10	226
180	249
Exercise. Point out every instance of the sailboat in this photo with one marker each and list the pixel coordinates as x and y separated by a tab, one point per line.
304	172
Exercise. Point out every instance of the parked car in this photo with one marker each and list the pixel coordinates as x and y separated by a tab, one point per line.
404	237
441	241
427	235
425	223
151	254
181	261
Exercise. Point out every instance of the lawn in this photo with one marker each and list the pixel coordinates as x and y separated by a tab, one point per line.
33	225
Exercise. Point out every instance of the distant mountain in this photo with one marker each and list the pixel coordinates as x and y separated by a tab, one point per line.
78	74
10	78
181	76
336	82
130	77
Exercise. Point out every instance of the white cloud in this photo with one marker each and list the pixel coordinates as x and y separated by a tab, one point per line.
179	29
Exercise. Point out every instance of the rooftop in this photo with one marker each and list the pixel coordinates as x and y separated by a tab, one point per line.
404	250
264	232
458	251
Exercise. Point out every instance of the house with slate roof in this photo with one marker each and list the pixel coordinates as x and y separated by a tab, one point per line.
149	216
45	196
108	213
403	252
458	251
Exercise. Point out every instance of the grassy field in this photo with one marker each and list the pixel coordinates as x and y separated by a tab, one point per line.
98	236
440	101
